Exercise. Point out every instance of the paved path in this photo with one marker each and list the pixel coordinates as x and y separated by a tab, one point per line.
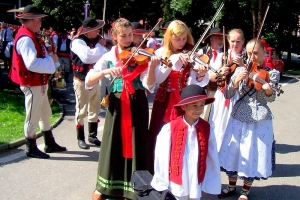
72	174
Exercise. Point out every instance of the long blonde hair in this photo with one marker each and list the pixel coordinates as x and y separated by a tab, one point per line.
175	29
121	22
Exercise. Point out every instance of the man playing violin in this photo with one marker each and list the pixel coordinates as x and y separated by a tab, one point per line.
215	52
252	155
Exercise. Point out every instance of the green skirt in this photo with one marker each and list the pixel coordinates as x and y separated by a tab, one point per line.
115	171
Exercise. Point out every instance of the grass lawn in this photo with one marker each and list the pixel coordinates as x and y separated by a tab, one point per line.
293	71
12	115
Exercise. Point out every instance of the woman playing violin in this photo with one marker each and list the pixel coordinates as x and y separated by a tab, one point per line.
221	108
171	80
125	135
247	150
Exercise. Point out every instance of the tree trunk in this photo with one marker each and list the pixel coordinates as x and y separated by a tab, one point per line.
259	14
254	20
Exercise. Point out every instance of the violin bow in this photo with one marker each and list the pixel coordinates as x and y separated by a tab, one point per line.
258	35
137	49
224	46
192	52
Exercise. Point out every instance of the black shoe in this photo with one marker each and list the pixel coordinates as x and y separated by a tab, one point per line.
33	151
50	145
95	141
54	148
82	144
37	154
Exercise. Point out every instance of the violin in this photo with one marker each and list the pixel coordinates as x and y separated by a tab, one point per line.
259	77
149	53
137	58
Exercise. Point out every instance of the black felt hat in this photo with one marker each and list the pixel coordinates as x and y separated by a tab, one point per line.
214	31
138	29
166	25
90	24
193	93
31	12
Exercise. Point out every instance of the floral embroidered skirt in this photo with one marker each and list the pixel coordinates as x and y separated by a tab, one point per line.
248	149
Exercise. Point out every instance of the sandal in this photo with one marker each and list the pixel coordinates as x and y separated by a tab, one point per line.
227	193
96	196
243	197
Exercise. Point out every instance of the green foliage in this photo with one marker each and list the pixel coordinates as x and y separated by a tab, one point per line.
12	115
182	6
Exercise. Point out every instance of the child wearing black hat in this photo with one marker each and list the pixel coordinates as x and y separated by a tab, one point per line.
186	158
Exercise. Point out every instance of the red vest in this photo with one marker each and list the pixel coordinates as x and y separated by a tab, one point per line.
179	131
19	73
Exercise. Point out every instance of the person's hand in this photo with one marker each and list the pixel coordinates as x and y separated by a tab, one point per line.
184	58
201	69
242	75
102	41
238	60
225	70
114	71
268	88
155	61
54	58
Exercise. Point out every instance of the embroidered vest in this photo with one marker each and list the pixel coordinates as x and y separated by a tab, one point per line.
117	85
19	73
68	50
179	131
177	80
81	69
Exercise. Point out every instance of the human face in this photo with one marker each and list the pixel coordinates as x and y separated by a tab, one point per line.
216	42
257	55
137	39
178	42
235	43
92	34
36	24
193	111
124	37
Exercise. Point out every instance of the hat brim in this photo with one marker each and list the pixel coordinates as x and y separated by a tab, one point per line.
101	23
193	99
16	10
221	34
30	16
140	31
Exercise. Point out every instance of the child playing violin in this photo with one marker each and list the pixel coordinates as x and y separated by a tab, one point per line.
221	109
125	135
247	149
172	80
188	168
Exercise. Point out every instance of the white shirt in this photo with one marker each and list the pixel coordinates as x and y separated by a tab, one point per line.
216	63
7	49
190	187
102	64
26	48
85	53
162	71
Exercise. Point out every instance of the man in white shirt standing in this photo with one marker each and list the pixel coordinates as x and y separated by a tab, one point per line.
86	51
31	69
